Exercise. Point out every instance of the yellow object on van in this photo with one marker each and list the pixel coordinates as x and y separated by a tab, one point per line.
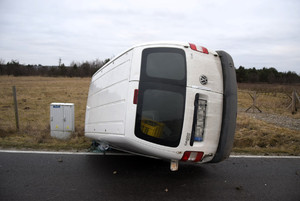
152	128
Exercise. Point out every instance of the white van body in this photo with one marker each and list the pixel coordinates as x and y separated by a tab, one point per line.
163	100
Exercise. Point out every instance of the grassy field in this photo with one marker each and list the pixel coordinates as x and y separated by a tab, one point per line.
271	98
255	136
36	93
34	97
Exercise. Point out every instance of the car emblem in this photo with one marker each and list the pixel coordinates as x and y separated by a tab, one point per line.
203	79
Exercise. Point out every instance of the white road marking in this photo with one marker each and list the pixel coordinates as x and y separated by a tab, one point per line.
127	154
257	156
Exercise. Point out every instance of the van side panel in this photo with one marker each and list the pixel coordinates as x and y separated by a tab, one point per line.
107	100
136	64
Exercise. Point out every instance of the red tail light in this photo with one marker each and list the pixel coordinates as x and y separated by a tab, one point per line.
204	50
198	48
199	156
135	96
186	156
193	46
192	156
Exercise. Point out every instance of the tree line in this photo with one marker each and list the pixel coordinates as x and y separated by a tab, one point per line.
265	75
88	68
76	69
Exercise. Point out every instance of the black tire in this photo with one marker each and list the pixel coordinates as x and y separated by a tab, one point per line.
229	108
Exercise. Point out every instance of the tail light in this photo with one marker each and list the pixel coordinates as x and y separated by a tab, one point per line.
192	156
199	120
198	48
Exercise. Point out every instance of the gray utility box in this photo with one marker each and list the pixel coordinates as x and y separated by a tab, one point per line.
62	120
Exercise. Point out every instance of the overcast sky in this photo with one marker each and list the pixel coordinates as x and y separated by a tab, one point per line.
257	33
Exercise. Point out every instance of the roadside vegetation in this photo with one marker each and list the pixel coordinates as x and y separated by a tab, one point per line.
35	94
254	136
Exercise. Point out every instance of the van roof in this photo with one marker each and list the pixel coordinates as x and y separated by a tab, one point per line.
161	43
176	43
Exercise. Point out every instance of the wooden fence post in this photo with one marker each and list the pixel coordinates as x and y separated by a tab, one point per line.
16	107
294	99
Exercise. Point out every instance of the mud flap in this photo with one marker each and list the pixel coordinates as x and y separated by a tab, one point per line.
229	108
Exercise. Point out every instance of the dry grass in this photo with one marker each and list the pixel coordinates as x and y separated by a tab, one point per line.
270	98
42	141
269	88
34	97
36	93
258	137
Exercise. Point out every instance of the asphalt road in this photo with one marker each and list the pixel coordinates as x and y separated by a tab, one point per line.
31	176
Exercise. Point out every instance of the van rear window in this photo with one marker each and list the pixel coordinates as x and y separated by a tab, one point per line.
164	63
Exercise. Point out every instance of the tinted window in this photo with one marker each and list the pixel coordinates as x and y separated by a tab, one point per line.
165	110
161	98
165	65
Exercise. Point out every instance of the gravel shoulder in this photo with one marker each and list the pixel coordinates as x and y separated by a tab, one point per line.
278	120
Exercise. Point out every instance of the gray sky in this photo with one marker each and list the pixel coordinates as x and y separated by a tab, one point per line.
257	33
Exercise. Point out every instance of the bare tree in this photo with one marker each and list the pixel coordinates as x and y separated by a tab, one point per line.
2	61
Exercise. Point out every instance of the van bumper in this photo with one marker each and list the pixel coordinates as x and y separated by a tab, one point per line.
229	108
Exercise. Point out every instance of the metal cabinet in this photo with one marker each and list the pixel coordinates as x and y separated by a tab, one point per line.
62	120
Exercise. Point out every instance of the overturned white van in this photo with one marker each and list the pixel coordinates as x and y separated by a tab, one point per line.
175	101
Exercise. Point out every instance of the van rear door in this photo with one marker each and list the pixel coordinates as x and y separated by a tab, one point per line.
204	97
